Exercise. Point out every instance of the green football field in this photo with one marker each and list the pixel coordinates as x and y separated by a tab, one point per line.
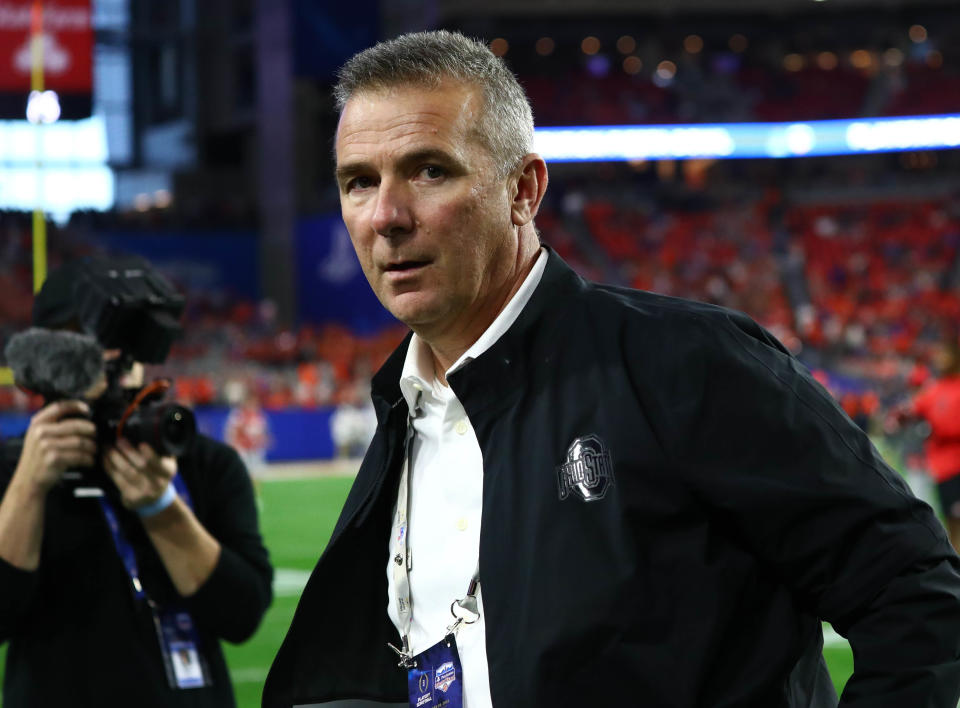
297	517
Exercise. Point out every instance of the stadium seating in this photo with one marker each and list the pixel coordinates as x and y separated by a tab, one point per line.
880	277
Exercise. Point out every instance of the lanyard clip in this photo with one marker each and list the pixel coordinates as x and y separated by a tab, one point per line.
468	612
406	658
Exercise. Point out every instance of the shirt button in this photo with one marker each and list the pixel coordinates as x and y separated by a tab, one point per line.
461	427
462	524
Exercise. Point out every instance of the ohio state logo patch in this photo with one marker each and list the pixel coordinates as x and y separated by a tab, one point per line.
588	470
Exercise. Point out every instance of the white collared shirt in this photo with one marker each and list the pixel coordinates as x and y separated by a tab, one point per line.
446	502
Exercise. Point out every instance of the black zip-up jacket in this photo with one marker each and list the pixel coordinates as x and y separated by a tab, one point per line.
743	508
77	635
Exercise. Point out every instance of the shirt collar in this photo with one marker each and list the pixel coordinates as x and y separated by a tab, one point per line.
417	375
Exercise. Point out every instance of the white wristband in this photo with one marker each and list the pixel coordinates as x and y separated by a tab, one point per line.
165	500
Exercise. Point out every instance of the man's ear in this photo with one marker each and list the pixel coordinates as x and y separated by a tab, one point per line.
530	186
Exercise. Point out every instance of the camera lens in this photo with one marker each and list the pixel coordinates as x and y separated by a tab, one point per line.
168	428
177	429
174	430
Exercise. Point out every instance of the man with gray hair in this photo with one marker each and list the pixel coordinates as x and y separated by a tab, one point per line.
582	495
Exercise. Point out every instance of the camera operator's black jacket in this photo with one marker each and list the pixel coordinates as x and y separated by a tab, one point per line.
744	508
77	637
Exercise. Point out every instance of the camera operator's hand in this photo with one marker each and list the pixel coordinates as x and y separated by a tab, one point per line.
187	549
140	474
56	441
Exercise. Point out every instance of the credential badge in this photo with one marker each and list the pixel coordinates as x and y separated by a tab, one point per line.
588	469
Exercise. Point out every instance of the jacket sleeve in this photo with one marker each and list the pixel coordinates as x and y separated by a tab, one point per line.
17	586
781	469
232	601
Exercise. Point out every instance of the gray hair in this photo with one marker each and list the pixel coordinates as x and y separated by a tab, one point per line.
505	127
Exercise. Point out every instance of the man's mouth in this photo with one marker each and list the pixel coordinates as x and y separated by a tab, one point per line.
403	266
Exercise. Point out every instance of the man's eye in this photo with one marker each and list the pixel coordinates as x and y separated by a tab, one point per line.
432	172
359	183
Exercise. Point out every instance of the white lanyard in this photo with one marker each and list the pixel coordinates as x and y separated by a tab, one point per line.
403	561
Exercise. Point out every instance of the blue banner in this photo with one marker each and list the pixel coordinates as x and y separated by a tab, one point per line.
202	261
297	433
331	284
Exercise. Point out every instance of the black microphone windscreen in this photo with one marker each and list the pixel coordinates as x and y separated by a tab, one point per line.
55	364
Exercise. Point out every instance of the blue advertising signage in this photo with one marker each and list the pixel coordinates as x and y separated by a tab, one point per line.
331	285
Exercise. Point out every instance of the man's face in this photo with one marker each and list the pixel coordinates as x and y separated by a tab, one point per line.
428	216
132	378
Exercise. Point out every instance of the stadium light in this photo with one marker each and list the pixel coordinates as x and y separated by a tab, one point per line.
738	43
622	143
545	46
43	107
74	157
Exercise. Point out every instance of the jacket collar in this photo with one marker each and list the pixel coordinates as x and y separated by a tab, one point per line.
385	385
497	369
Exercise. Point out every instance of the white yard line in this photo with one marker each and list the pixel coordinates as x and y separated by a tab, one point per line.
833	640
250	674
288	582
309	469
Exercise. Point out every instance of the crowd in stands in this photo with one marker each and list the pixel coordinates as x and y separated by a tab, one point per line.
882	276
751	94
878	281
848	68
308	367
16	274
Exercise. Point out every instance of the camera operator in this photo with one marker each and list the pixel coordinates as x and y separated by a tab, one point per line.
121	599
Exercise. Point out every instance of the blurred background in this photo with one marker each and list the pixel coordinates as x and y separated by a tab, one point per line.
795	160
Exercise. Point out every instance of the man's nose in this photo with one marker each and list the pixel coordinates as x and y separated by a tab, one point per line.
391	215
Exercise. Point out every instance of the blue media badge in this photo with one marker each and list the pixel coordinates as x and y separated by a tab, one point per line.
436	678
180	645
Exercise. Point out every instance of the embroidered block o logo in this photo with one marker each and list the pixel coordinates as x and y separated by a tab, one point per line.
588	469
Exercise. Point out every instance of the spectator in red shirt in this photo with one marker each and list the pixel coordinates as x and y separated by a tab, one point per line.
939	404
248	432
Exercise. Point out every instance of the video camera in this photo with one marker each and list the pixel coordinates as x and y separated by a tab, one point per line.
121	304
130	307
